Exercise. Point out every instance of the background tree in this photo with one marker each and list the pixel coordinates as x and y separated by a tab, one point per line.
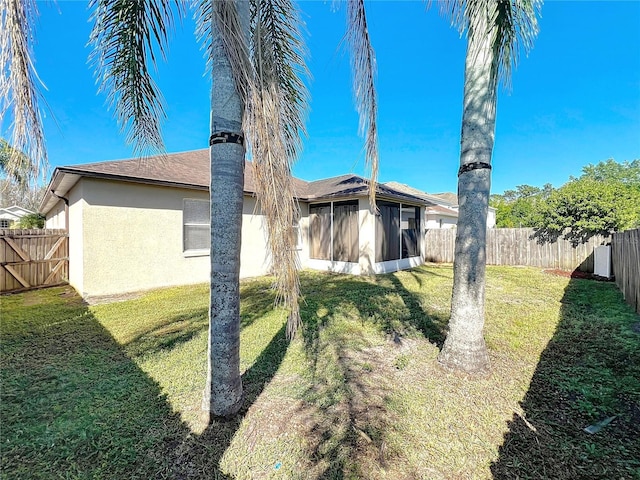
609	170
12	193
605	198
32	220
521	207
495	31
17	187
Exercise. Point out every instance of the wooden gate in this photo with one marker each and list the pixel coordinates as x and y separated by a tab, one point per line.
33	258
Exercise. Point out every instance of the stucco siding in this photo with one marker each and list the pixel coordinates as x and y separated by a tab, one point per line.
133	239
303	235
254	254
435	221
56	217
367	237
76	237
491	218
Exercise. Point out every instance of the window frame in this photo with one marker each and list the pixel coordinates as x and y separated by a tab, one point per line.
315	253
384	241
195	252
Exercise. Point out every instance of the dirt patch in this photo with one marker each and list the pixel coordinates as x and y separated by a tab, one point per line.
100	299
575	274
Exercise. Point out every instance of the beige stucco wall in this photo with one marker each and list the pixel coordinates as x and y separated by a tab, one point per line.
127	237
56	216
303	233
491	218
76	237
433	221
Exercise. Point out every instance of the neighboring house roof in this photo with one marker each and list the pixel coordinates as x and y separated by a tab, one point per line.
191	170
448	200
452	199
419	193
13	213
440	210
448	197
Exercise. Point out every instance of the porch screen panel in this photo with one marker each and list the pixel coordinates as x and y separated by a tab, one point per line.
320	231
410	225
345	232
388	232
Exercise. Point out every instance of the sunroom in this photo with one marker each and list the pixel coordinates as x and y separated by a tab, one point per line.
345	235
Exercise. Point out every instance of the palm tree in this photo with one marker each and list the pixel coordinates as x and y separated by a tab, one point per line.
256	57
495	30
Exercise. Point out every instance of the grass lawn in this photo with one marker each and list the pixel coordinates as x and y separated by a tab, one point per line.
114	390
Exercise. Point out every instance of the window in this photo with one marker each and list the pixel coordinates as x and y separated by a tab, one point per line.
345	231
397	231
320	231
410	226
333	231
4	223
388	232
195	221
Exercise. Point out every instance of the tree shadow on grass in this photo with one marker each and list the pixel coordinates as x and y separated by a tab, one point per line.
74	405
345	404
257	300
589	371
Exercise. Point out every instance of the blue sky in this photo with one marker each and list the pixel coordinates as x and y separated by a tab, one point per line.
574	100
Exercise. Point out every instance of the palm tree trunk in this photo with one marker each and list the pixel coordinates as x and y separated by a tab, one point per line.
465	348
223	392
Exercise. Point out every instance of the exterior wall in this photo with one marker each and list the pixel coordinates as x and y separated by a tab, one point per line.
433	222
303	235
367	237
255	259
56	217
126	237
396	265
491	218
76	236
132	239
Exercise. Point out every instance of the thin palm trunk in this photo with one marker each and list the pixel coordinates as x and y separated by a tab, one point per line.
223	392
465	347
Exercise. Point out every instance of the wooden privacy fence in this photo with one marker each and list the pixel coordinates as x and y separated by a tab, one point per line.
519	246
33	258
625	260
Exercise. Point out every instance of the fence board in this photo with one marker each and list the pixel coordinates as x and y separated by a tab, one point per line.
625	260
519	246
33	258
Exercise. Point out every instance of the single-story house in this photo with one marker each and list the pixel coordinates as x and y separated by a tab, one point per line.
443	213
11	215
144	223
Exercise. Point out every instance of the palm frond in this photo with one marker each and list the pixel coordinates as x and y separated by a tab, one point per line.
233	31
363	65
19	91
279	54
276	112
512	26
124	35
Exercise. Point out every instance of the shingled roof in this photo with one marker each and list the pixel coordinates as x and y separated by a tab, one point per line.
191	170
